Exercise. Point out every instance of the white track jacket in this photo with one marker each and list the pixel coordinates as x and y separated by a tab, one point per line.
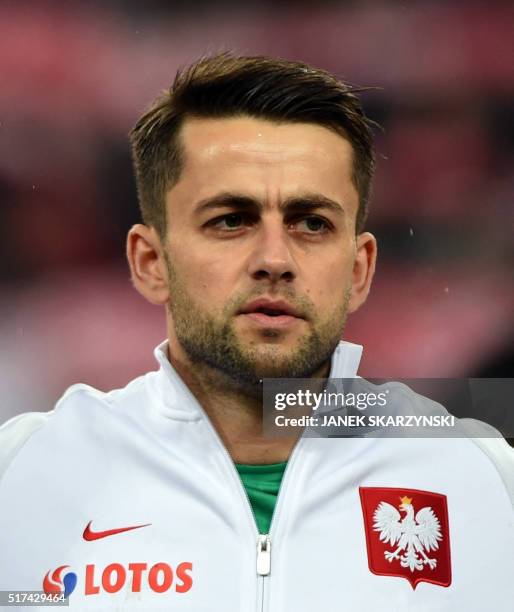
128	500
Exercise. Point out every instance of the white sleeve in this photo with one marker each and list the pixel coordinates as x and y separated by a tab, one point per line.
492	444
15	432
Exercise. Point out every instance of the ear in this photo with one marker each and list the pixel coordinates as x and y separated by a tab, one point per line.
363	269
147	264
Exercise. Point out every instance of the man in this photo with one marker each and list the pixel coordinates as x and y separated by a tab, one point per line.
253	178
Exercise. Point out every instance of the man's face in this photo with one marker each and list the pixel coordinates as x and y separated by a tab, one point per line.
260	247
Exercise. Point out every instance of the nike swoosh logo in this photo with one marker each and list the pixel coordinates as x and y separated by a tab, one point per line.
90	535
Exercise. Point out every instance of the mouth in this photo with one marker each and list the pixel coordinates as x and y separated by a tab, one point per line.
269	313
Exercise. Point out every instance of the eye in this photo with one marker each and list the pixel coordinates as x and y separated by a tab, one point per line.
312	225
230	222
233	220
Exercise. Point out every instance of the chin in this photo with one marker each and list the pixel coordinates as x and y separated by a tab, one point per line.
268	348
272	337
272	361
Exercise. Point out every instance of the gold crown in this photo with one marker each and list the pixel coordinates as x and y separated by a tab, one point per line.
406	500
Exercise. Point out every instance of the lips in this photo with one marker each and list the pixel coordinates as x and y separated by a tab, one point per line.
271	308
271	313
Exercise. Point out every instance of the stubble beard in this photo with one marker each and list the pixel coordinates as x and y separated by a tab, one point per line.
212	341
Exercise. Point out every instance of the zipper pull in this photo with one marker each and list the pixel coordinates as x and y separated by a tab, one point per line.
263	555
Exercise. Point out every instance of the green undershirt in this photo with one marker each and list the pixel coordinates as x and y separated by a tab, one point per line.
262	483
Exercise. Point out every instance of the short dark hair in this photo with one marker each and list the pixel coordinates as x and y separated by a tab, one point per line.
225	85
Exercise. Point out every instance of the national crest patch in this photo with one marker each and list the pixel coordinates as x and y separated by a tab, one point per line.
407	534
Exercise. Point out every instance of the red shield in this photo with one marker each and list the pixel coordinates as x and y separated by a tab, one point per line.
407	534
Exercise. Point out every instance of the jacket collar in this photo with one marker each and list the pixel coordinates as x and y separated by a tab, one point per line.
180	402
345	360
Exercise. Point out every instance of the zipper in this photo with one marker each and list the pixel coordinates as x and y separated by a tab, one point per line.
264	541
263	553
263	556
263	567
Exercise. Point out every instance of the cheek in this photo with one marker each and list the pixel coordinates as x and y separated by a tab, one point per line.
328	281
209	280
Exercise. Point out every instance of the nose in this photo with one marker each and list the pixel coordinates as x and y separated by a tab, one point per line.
271	258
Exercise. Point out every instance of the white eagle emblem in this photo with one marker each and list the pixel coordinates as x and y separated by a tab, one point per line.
415	535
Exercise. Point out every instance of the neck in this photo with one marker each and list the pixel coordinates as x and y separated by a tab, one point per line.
236	416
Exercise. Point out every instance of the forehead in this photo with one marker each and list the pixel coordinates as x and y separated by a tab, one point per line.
266	160
228	131
246	140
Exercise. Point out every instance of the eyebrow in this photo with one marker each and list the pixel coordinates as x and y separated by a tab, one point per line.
304	202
